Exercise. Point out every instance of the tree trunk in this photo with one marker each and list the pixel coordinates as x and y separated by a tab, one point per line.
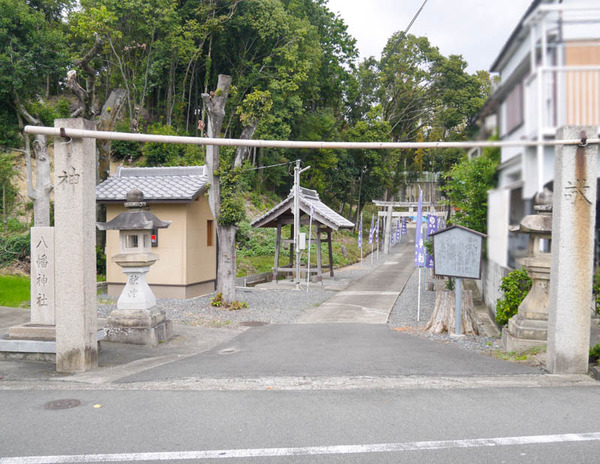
215	107
106	122
43	184
443	317
226	262
40	192
242	153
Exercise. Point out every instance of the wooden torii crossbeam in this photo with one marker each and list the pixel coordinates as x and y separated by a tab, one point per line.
324	218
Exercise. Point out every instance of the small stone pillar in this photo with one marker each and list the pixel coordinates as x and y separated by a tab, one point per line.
529	328
574	216
137	319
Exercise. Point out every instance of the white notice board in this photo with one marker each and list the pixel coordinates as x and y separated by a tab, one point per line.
457	252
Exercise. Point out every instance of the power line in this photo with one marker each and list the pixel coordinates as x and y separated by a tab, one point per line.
270	166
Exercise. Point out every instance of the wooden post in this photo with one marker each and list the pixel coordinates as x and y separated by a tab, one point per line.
277	247
319	256
291	263
330	247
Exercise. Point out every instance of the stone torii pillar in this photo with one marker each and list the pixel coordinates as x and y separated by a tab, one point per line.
75	237
569	318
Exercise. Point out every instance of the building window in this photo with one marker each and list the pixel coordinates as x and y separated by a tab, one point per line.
514	108
209	233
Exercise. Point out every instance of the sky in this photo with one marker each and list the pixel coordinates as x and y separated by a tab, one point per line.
475	29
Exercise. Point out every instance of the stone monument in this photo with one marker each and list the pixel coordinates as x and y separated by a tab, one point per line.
137	319
573	220
529	327
42	326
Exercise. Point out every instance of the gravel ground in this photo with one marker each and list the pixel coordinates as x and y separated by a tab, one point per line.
285	306
404	317
272	306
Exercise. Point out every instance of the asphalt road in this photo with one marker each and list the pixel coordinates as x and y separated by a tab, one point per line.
416	425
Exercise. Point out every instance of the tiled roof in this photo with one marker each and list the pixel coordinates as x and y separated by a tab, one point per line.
308	198
158	184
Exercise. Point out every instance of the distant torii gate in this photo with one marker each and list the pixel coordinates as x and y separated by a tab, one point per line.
388	214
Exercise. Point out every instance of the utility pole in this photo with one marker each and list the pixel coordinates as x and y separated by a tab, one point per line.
297	172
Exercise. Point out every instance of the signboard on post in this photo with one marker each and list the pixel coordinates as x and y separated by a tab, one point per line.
458	252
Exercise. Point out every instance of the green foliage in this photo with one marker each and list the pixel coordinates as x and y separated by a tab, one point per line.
14	291
233	209
237	305
31	49
122	149
8	189
596	291
467	184
10	136
516	286
450	284
14	248
14	226
254	242
595	353
100	261
47	112
162	154
218	302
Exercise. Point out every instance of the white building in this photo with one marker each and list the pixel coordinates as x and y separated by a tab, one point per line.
549	74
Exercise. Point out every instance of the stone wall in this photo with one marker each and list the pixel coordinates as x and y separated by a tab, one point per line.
489	285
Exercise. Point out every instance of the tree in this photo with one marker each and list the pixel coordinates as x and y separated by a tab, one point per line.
467	185
371	167
219	196
8	190
31	50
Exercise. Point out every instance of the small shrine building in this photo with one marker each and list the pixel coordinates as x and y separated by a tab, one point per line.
324	218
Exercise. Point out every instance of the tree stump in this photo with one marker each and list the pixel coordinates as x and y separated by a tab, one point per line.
442	319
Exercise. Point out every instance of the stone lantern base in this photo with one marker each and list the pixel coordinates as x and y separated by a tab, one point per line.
529	328
523	334
138	326
137	319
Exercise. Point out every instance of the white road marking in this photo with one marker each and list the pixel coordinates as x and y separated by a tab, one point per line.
366	293
307	451
320	383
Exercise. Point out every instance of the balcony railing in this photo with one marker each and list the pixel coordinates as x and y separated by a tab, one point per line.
557	96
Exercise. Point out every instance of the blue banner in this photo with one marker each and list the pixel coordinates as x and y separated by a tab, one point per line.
432	224
392	234
403	230
398	231
419	245
377	231
360	233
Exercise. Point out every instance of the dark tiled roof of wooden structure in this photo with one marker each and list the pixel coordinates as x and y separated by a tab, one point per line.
308	198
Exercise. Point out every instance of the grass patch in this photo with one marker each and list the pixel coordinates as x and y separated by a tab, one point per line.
14	291
519	356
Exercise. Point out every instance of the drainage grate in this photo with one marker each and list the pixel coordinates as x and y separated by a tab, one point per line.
253	323
62	404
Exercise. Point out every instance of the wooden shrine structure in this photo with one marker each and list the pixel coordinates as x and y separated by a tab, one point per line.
324	218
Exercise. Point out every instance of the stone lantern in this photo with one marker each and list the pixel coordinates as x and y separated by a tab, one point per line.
137	319
529	327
